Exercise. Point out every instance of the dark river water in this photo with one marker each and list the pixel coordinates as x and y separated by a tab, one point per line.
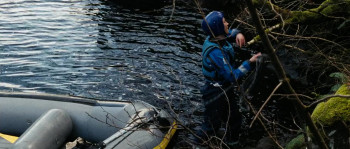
95	49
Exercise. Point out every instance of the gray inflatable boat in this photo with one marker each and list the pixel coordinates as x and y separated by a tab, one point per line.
50	121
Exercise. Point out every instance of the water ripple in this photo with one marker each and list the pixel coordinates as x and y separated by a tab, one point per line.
90	48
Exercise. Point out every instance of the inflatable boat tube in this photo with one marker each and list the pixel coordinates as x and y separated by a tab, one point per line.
106	124
49	131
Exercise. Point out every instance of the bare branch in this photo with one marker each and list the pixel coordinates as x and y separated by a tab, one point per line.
172	11
267	100
263	125
318	38
301	95
294	47
257	38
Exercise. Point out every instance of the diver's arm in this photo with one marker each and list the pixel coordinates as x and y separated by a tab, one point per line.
227	71
234	35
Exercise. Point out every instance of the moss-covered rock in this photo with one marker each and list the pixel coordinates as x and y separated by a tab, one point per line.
335	109
327	114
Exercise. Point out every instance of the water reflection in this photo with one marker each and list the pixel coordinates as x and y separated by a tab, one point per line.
93	49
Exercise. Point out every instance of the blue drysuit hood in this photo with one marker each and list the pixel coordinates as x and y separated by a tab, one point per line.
214	21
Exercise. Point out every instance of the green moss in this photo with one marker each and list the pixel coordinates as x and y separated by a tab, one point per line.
327	8
335	109
330	7
297	143
257	38
259	2
302	16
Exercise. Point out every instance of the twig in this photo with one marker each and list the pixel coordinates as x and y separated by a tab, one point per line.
245	23
263	125
172	11
275	123
257	38
222	141
228	116
279	15
294	47
294	95
295	123
267	100
318	38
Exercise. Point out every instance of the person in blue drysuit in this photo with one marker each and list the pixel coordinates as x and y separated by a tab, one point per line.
221	75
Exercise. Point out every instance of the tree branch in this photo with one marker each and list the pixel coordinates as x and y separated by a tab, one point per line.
267	100
302	111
